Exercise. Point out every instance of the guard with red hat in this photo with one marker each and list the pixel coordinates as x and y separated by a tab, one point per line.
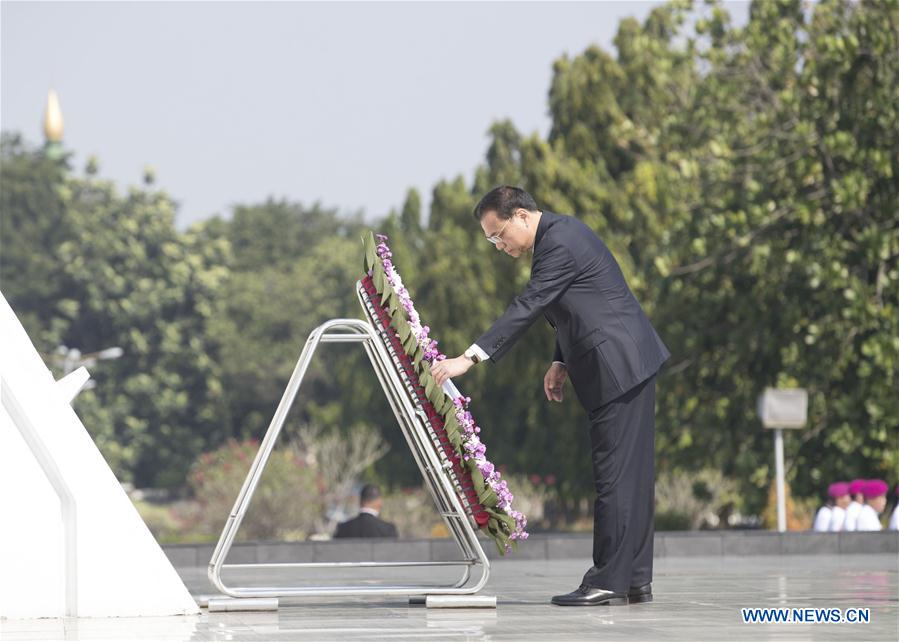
855	506
838	494
875	492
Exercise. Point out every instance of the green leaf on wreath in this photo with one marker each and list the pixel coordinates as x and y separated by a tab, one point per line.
408	328
478	479
488	498
395	307
404	330
410	343
371	255
379	277
394	323
508	520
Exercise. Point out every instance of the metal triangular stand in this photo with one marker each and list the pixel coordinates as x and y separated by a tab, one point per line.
424	444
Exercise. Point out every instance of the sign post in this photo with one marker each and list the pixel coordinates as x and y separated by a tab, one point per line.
781	408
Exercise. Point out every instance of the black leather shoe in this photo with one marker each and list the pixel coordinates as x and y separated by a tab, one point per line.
639	594
590	596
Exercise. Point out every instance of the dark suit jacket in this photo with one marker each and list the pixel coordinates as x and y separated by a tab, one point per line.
602	334
365	525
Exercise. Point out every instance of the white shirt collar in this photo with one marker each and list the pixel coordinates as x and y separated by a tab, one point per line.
370	511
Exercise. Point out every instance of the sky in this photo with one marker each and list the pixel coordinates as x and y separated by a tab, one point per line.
347	104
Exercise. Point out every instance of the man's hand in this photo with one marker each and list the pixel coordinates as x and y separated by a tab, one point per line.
553	380
449	368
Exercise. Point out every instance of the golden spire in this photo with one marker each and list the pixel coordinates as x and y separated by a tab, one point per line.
53	119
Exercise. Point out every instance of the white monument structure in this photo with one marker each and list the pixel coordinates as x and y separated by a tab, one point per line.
71	542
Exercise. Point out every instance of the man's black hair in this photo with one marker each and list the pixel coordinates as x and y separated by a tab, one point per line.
504	200
369	494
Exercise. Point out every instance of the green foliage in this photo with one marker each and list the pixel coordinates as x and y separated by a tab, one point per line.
285	504
34	224
689	500
117	273
745	178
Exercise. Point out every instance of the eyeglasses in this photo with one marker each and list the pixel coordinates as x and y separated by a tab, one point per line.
496	238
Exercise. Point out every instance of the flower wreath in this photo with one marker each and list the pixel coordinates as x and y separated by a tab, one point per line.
480	485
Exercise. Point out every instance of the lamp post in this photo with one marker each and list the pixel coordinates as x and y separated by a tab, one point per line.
781	408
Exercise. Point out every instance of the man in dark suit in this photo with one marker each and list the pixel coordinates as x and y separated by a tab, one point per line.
609	349
367	523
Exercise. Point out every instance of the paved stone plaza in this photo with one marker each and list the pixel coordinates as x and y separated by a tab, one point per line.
697	598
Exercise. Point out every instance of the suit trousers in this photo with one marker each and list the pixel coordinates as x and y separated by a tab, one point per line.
622	441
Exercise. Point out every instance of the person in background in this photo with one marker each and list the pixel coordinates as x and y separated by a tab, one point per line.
367	523
840	493
894	520
822	517
875	492
855	506
835	509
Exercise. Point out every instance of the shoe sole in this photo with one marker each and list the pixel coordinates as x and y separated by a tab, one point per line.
639	599
615	601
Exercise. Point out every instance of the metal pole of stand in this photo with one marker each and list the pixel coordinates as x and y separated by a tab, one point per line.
430	460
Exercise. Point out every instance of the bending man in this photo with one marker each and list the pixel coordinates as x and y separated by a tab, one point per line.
609	349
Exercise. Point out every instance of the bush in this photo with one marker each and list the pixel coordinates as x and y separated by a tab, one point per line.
285	505
799	513
413	512
693	500
305	483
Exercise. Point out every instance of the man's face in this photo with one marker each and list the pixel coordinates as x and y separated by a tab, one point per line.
513	235
878	503
843	501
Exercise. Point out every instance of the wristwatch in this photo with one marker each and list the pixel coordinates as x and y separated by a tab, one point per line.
471	354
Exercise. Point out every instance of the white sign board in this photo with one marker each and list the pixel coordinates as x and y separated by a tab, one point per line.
783	407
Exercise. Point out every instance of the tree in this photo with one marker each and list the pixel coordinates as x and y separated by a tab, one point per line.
745	179
115	272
